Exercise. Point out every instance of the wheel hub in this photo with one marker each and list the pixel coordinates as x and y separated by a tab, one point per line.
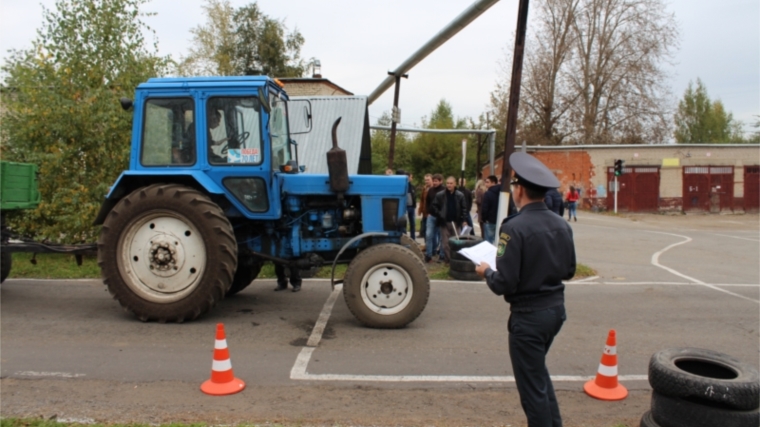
386	288
164	255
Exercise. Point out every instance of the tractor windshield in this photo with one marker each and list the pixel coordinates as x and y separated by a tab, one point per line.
234	130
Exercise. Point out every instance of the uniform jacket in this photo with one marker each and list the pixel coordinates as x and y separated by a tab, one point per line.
534	255
439	206
554	202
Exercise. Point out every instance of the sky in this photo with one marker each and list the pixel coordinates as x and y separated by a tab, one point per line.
358	42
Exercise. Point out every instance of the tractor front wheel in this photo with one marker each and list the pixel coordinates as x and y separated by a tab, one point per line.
386	286
167	253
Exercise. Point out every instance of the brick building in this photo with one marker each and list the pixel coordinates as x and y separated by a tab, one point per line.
314	86
658	178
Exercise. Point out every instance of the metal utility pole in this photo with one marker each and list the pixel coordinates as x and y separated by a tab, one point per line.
395	117
514	103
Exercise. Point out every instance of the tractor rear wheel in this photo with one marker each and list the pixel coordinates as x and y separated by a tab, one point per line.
167	253
386	286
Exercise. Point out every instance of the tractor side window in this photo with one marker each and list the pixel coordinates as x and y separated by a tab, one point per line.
168	136
278	129
234	130
251	192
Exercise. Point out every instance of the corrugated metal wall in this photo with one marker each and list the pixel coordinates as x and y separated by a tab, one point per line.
751	188
708	188
353	129
639	189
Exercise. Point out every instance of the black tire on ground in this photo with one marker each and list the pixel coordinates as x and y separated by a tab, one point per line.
705	374
462	266
459	257
247	271
167	253
670	411
6	261
463	242
410	244
647	421
467	277
386	286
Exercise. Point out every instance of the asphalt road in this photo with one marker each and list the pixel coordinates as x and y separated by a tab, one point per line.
662	282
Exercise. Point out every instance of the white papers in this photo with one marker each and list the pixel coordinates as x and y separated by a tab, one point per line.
482	252
466	230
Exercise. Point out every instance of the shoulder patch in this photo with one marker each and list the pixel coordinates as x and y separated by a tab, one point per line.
503	242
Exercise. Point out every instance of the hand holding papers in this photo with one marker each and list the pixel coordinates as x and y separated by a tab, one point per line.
482	252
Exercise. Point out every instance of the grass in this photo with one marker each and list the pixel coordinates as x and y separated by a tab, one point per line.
582	270
53	266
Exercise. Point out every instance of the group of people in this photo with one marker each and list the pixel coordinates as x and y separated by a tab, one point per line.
445	211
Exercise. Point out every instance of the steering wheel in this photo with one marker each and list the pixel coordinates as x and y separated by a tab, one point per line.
239	139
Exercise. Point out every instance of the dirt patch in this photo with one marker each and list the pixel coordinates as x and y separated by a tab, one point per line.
307	405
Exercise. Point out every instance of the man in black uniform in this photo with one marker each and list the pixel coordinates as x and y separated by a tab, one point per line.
534	255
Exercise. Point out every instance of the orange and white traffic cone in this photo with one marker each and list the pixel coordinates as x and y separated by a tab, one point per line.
222	380
605	386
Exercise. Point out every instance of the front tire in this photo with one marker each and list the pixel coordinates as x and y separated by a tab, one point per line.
167	253
386	286
6	261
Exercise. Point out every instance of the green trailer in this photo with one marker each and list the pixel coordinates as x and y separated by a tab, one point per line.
19	190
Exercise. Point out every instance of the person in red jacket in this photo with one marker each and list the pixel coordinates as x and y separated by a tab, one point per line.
572	203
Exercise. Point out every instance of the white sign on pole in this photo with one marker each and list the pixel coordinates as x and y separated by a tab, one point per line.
464	152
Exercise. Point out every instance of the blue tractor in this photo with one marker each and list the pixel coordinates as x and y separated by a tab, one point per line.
214	189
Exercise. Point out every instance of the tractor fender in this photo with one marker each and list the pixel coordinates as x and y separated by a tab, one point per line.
129	181
346	246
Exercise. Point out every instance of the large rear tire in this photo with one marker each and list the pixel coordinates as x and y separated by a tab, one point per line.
167	253
386	286
6	261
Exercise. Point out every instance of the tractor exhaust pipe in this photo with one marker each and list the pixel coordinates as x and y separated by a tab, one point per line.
337	165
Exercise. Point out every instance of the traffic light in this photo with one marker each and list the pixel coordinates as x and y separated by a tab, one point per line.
619	167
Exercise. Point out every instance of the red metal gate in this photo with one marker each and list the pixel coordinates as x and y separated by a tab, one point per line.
751	188
639	189
708	188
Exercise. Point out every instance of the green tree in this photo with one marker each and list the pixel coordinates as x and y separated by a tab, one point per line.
381	142
442	153
699	120
61	109
242	41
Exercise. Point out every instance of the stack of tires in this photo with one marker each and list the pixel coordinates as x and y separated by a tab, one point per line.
461	268
694	387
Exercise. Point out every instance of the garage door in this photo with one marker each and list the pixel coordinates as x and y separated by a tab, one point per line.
708	188
752	188
639	189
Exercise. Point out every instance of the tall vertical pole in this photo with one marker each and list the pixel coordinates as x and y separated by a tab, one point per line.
514	93
395	116
616	191
514	103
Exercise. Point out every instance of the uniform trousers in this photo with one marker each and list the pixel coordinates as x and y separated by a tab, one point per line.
530	336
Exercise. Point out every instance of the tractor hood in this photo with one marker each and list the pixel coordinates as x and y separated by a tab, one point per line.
359	185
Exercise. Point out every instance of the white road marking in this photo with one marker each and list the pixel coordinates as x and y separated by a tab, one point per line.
298	372
656	263
745	285
48	374
735	237
584	280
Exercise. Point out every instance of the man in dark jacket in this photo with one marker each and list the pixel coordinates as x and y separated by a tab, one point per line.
432	233
468	201
489	209
450	208
535	254
554	202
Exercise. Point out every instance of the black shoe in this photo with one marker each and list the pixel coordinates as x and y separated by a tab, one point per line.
296	288
427	259
281	288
